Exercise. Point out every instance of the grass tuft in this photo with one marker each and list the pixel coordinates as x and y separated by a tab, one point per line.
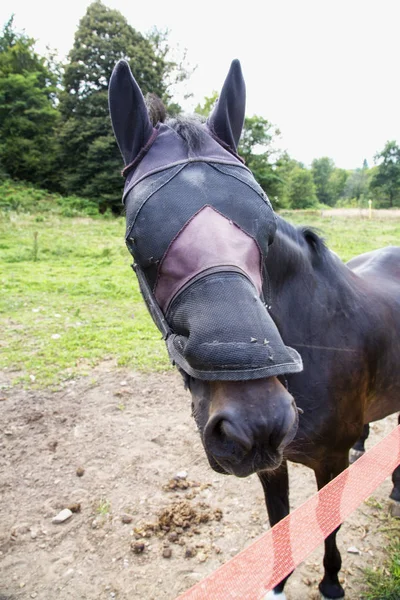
383	583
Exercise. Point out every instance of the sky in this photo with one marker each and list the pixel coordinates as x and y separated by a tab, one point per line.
325	72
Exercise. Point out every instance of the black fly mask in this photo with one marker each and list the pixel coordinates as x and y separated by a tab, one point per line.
199	227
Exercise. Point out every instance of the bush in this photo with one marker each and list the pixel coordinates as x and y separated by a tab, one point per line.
25	198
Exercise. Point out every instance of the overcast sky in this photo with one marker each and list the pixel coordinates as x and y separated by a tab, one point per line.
326	73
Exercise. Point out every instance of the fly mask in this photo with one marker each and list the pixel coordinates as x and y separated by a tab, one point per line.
199	227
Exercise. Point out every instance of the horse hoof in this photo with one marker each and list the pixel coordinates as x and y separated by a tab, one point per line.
395	509
272	596
355	455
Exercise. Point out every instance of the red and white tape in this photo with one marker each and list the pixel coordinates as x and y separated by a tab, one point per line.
261	566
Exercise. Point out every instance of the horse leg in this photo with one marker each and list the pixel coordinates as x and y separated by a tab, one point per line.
359	447
330	587
276	491
395	494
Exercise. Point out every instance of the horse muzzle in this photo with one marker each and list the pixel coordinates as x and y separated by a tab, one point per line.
248	437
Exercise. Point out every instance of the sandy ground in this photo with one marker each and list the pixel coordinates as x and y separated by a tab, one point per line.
108	445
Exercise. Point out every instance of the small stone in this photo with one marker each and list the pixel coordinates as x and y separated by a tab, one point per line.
167	553
125	518
181	475
137	547
190	552
33	535
33	595
52	445
62	516
95	524
353	550
202	557
75	507
173	537
80	471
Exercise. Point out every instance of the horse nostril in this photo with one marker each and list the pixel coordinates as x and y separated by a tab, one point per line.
226	439
234	434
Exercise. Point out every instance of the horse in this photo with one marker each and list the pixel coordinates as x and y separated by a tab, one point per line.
287	352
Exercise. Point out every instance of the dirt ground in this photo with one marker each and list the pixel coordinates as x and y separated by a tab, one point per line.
108	446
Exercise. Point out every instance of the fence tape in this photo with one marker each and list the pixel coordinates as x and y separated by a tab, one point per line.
263	564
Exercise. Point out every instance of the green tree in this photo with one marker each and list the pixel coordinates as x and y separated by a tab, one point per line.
357	183
28	116
386	179
301	190
205	109
256	147
322	169
90	157
337	183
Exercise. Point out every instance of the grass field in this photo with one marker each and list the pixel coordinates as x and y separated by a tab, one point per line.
384	582
70	300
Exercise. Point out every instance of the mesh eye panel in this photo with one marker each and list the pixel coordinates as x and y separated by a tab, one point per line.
155	215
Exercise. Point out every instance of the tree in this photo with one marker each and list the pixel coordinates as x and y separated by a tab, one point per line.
322	169
209	102
90	157
337	183
386	179
301	192
357	183
28	116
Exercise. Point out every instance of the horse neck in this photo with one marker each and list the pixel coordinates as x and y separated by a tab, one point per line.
306	278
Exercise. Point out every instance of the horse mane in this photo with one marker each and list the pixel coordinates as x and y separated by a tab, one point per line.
189	127
304	237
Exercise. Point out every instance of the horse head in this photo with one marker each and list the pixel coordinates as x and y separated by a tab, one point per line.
199	228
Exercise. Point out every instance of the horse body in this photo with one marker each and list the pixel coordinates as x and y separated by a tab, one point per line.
239	295
346	325
345	322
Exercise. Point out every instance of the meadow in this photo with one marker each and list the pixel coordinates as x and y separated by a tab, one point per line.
70	299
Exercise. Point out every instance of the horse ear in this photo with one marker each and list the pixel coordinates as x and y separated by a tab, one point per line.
129	116
227	118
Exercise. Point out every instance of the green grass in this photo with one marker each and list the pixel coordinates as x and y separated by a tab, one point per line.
70	300
383	583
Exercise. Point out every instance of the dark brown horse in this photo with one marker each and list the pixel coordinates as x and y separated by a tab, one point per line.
239	294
